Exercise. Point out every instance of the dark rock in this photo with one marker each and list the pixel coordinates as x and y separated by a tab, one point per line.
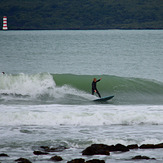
95	161
79	160
159	145
3	155
23	160
44	148
102	149
133	146
40	153
120	147
151	146
147	146
56	158
97	149
139	157
57	149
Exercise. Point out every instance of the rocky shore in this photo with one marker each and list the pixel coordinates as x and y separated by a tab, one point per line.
94	149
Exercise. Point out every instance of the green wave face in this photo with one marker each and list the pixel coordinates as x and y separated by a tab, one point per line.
76	89
126	90
113	84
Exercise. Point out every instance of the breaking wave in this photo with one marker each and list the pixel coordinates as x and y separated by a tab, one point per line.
76	89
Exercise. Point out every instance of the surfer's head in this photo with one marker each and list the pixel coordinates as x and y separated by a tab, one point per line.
94	79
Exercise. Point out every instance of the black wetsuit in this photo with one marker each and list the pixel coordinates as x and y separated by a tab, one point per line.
94	88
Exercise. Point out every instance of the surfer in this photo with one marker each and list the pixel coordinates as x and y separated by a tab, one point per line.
94	89
3	73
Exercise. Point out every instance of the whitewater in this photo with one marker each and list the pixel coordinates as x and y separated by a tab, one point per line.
45	93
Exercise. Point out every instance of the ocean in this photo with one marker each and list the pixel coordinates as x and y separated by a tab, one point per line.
45	93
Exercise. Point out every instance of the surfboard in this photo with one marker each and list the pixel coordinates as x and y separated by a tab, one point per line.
104	98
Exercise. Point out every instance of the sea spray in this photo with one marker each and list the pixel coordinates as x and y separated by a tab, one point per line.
39	86
25	84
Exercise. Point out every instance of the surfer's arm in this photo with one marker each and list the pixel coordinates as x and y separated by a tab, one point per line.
98	80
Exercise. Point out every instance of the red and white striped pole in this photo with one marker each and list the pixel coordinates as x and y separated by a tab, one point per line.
5	23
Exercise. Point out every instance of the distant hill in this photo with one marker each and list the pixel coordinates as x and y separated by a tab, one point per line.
82	14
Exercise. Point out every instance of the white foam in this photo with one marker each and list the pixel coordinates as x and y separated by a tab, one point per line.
36	85
26	84
84	115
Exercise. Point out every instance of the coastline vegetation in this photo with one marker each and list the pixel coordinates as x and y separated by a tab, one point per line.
82	14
